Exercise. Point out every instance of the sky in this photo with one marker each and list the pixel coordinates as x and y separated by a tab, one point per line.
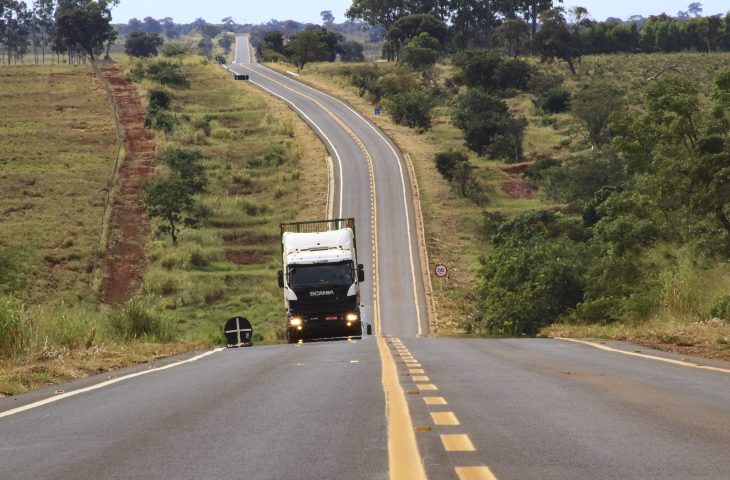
250	11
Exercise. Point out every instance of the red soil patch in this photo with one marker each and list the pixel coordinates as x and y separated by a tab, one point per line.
517	186
129	228
243	258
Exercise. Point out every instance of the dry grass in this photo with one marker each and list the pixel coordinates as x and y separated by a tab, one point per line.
58	149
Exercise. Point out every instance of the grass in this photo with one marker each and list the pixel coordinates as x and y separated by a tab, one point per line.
454	225
264	166
58	149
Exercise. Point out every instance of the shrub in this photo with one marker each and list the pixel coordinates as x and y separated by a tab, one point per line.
556	100
136	322
159	99
412	109
167	73
447	161
161	120
16	328
721	308
480	117
174	50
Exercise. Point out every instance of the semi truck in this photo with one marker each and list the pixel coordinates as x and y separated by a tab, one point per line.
321	279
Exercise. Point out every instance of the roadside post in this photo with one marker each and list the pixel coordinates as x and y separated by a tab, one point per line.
238	331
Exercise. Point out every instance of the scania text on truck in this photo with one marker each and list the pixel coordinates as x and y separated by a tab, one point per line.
321	279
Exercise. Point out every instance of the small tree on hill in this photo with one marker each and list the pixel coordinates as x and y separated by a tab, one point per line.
84	25
556	39
139	44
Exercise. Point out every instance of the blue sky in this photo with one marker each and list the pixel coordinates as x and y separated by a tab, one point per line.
308	11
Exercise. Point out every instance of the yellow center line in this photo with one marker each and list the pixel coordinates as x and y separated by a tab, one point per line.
426	387
421	378
416	371
404	458
435	400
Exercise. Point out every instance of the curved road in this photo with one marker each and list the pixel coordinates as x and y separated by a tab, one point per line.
476	409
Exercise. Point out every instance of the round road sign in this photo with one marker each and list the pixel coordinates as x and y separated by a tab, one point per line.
441	270
238	332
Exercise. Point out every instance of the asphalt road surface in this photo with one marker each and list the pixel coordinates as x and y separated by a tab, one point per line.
477	409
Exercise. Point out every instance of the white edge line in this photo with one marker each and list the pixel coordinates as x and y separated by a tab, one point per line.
405	199
103	384
643	355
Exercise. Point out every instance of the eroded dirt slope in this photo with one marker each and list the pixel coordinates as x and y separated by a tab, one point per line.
124	263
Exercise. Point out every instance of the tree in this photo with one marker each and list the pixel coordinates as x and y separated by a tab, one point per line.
421	53
172	199
481	117
447	161
412	108
406	28
695	9
531	10
556	39
150	25
226	41
350	51
209	30
140	44
327	17
86	26
228	23
515	34
490	72
594	105
307	46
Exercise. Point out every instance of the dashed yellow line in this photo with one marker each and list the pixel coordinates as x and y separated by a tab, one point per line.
457	443
475	473
444	418
435	400
416	371
426	386
421	378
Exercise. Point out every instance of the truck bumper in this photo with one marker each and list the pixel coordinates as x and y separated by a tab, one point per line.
324	329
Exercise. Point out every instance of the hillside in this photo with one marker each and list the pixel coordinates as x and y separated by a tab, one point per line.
681	286
262	166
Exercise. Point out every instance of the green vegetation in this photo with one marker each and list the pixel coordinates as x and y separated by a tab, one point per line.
616	227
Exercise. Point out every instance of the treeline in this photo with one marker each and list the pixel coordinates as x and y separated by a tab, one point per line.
74	28
515	25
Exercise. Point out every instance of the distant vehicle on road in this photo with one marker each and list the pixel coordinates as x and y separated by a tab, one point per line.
321	279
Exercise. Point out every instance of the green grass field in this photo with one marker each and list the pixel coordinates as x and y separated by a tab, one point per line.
58	150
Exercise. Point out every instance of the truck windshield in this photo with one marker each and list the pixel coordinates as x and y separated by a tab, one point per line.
319	275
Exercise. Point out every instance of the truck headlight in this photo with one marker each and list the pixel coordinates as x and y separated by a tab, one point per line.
351	317
295	322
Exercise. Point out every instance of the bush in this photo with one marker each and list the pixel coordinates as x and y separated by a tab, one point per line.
480	117
167	73
174	50
160	120
412	109
17	329
721	308
556	100
136	322
142	44
447	161
159	99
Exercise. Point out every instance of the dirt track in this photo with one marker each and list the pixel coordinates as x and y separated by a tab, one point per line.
125	263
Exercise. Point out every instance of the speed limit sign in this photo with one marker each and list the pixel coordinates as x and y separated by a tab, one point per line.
441	270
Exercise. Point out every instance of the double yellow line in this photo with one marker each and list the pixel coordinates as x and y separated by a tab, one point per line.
404	458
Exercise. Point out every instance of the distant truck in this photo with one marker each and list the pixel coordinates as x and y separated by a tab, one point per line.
321	279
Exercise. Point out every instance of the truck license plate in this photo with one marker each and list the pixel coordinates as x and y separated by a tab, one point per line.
331	317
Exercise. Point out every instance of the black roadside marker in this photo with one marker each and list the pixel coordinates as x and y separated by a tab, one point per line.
238	332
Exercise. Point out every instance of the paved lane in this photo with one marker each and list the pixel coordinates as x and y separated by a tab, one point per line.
312	411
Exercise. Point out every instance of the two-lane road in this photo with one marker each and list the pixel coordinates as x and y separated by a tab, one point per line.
476	409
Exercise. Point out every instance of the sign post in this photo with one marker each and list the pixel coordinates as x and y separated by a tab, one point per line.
238	331
441	271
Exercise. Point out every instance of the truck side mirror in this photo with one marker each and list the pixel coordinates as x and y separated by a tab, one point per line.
281	278
360	273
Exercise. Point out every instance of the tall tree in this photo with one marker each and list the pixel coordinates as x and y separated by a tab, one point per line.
327	17
307	46
557	39
84	25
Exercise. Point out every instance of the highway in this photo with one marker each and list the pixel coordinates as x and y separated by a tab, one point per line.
396	405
